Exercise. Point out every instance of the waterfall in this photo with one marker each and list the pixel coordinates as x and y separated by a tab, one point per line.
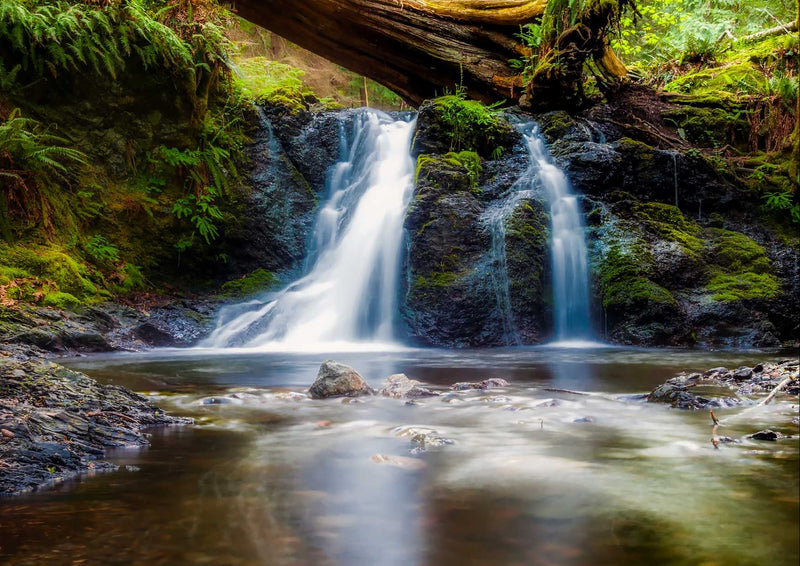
349	291
568	244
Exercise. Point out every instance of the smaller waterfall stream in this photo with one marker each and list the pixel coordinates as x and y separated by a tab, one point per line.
349	292
568	244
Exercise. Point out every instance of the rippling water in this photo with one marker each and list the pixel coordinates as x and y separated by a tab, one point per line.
561	467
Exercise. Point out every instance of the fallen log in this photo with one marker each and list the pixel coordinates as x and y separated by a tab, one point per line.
417	48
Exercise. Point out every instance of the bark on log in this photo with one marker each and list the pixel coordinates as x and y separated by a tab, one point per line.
417	48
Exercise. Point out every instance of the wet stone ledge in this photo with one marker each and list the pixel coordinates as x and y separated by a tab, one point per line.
56	423
720	387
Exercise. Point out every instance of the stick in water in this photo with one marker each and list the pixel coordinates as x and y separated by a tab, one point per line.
775	391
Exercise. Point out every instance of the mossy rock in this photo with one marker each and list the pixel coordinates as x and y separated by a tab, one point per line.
555	125
624	282
729	287
668	222
455	124
259	281
708	127
741	269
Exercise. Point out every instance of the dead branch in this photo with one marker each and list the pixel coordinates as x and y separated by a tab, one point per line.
788	27
775	391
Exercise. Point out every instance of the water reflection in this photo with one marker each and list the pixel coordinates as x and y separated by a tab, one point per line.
533	475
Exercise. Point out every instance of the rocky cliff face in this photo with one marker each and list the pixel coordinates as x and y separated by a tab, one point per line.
680	252
477	247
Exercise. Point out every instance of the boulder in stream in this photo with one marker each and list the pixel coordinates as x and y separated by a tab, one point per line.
338	380
400	387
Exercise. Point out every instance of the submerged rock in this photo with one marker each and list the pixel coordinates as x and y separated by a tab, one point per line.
338	380
424	438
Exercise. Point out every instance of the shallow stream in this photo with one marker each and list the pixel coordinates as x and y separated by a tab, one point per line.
566	466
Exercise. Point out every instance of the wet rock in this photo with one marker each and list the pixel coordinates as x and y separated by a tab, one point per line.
716	370
678	397
338	380
584	420
767	434
399	386
57	422
490	383
743	373
152	335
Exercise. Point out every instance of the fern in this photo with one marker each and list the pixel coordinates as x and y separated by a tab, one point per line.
50	36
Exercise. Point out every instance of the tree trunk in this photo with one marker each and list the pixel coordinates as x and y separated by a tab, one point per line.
417	48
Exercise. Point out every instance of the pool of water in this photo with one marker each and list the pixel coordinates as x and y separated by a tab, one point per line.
563	467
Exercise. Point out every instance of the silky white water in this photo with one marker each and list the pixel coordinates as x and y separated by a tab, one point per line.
349	293
568	245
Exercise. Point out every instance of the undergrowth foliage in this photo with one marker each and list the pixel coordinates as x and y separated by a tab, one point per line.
30	157
185	38
116	226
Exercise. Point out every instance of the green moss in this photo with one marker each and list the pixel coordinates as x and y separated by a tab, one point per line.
555	125
623	279
669	222
708	127
639	151
741	268
728	287
735	252
435	279
60	300
734	78
273	83
468	161
54	266
257	282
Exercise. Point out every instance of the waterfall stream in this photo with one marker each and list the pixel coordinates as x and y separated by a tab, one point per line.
568	244
349	292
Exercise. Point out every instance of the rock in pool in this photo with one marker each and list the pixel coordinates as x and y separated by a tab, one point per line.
400	387
338	380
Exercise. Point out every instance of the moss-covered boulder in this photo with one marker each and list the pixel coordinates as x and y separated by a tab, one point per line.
527	255
663	278
447	296
452	123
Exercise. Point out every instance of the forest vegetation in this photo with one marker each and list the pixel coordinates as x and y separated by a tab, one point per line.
124	121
